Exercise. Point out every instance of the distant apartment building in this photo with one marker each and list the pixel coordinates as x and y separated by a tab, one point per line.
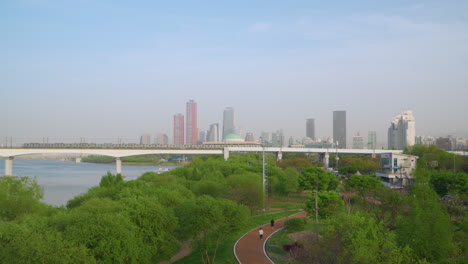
358	142
249	137
145	139
425	140
191	123
444	143
162	139
310	128
179	129
372	140
339	128
402	131
213	133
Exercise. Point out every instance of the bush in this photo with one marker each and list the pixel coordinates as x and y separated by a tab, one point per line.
296	224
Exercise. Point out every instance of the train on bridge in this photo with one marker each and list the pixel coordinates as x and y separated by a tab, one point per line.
133	146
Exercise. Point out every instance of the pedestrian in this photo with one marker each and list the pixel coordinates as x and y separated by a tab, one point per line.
272	223
260	232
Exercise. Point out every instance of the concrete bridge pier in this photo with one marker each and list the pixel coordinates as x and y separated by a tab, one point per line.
226	153
9	166
118	165
279	156
326	160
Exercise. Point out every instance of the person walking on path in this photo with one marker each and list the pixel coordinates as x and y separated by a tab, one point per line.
272	223
260	232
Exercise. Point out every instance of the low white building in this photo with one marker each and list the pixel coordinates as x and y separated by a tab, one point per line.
396	170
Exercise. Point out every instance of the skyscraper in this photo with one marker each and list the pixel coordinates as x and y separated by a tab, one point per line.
402	131
372	140
339	128
310	128
213	133
228	122
178	129
191	126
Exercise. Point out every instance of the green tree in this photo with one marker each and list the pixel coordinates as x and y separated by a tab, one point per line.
34	241
106	229
208	221
18	197
327	202
362	184
316	178
110	180
245	189
156	223
356	238
426	228
286	182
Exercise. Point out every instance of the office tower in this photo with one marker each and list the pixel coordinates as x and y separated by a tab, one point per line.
179	129
402	131
266	138
191	126
278	139
249	137
213	133
310	128
162	139
358	142
228	122
372	140
339	128
145	139
202	137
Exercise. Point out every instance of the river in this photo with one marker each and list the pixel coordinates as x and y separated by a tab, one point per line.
63	180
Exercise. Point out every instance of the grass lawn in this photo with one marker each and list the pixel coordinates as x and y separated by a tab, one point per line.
225	254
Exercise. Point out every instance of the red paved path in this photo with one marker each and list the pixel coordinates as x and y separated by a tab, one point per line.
249	249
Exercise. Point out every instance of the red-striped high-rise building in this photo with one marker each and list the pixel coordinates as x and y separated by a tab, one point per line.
178	129
191	123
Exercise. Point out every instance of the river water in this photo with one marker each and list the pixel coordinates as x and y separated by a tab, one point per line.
63	180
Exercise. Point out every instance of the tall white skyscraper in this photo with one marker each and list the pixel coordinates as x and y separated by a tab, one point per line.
213	133
402	131
228	122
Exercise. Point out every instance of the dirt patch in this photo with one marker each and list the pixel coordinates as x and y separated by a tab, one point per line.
301	236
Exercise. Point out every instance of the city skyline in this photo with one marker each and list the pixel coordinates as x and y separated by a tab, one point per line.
107	71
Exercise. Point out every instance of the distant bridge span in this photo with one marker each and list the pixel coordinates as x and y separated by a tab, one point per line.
10	153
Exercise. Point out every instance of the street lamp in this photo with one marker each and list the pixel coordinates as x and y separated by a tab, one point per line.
263	174
337	158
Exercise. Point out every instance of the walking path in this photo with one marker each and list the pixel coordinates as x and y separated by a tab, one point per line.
249	249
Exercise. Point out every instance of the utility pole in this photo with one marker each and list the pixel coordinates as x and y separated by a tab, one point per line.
264	180
316	214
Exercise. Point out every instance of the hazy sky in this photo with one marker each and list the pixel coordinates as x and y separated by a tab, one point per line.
106	69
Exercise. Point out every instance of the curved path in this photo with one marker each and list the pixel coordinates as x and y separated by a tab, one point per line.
249	249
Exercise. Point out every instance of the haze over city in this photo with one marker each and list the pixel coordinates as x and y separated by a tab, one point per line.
106	70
